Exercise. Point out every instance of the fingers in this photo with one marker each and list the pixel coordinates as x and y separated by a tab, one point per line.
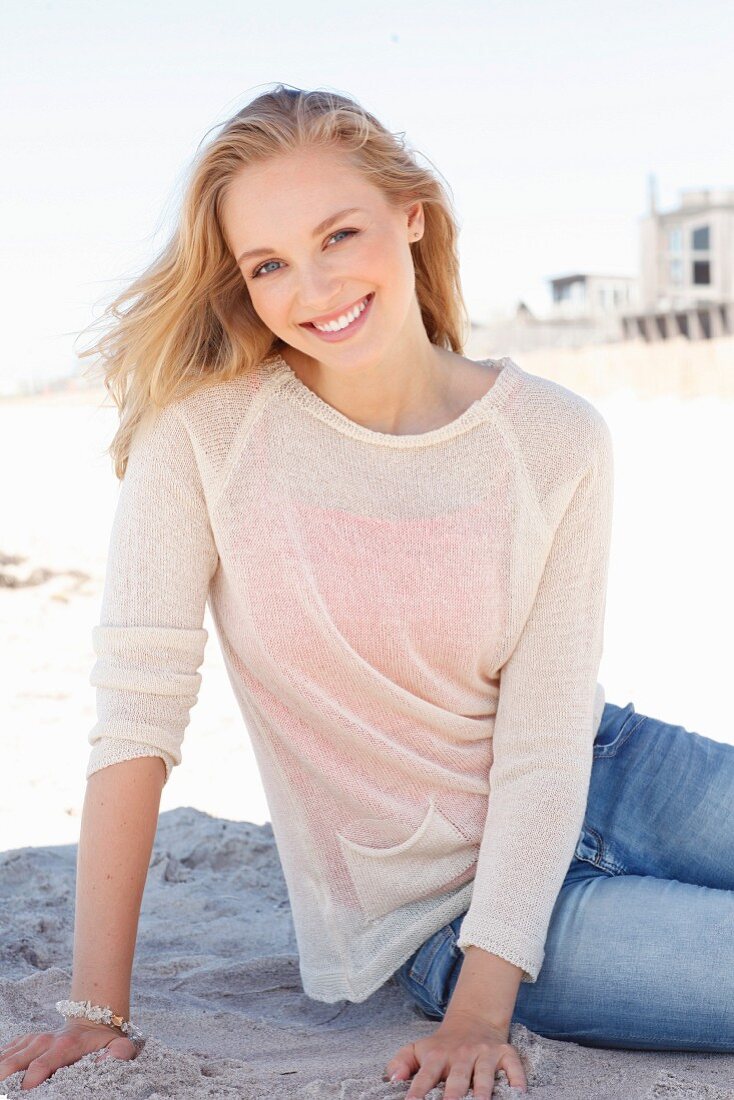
57	1050
463	1072
11	1048
460	1078
40	1069
12	1062
513	1067
484	1071
431	1072
118	1048
21	1052
403	1065
102	1054
44	1054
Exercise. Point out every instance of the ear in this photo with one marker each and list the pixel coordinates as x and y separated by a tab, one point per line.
416	221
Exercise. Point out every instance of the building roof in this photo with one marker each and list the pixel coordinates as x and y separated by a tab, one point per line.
587	275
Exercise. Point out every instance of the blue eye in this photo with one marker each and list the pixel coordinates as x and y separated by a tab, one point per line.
256	273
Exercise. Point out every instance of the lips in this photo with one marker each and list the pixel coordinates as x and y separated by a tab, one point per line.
335	316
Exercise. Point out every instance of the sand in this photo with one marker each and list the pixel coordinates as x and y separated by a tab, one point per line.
216	983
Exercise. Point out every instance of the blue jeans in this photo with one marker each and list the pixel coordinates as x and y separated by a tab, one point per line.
640	946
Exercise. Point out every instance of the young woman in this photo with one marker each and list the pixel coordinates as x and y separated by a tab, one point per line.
405	554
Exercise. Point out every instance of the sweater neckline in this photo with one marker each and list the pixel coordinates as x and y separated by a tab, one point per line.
475	413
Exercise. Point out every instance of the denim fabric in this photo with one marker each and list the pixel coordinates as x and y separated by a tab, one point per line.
640	947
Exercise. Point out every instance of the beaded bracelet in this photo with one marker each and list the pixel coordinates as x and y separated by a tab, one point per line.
101	1015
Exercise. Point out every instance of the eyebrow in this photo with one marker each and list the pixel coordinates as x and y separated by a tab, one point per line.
320	228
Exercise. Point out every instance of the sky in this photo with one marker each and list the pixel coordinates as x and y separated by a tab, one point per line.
545	121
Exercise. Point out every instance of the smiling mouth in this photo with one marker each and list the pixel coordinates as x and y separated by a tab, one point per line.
361	304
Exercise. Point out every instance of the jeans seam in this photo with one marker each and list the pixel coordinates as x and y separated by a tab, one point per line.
601	858
419	995
419	970
622	738
628	734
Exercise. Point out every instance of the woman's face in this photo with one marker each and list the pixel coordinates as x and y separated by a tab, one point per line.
305	269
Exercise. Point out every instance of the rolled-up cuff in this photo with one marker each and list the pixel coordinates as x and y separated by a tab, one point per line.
113	750
508	943
147	682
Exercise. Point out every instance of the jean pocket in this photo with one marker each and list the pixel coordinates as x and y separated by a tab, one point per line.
616	726
427	974
423	865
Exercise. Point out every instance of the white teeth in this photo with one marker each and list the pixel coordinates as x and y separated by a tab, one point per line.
344	320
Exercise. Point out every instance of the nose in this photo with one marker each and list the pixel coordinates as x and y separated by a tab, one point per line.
320	293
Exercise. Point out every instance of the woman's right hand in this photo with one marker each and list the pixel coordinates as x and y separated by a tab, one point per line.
465	1052
40	1054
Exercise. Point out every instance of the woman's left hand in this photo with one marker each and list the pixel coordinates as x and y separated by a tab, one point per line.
464	1052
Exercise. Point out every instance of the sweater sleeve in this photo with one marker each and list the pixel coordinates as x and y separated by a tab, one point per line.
543	733
150	642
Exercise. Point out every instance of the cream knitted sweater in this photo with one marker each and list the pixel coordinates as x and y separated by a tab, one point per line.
412	626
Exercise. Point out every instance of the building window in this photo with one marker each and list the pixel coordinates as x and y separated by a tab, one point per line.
675	240
700	239
701	272
570	292
676	272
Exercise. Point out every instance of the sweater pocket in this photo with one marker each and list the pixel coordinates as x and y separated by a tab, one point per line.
422	866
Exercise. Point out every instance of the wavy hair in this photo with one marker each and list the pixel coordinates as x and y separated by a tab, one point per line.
188	321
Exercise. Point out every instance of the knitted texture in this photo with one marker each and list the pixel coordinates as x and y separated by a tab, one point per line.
412	626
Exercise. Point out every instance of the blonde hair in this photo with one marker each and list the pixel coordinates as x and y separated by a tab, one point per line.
188	321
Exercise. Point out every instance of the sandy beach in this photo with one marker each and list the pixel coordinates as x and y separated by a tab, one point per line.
216	984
